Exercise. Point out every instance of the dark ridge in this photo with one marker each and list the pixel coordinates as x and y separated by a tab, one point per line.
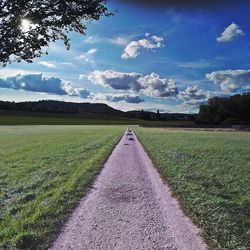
60	107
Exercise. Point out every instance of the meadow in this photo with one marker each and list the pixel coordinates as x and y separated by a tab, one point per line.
29	118
44	172
63	119
209	172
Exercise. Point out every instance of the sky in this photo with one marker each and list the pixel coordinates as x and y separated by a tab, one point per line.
168	57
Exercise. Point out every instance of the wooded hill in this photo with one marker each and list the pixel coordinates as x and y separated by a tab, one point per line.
59	107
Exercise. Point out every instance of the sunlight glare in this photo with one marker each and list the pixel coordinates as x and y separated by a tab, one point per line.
26	25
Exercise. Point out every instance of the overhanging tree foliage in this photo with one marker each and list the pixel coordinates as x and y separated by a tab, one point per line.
28	26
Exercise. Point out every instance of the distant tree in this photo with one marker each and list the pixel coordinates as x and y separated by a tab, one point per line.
145	115
235	109
28	26
158	115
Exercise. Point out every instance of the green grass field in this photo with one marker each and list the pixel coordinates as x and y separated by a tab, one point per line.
210	174
22	118
44	171
57	119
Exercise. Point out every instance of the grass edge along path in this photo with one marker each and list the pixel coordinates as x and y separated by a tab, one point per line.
209	174
36	213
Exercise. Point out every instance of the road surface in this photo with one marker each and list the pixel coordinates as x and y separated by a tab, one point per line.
129	207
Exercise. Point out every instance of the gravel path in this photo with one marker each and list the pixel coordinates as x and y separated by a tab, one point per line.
129	207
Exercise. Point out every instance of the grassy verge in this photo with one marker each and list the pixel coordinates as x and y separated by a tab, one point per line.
210	173
44	171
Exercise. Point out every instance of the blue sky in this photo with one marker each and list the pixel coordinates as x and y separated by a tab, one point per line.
167	58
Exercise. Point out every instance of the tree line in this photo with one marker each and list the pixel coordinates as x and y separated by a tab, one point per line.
233	110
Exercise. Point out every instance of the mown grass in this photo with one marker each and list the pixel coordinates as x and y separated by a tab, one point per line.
44	171
210	173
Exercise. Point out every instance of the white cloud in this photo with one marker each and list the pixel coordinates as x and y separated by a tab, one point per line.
72	91
149	85
231	80
91	51
67	64
91	40
88	56
120	41
82	57
230	33
193	96
47	64
196	65
133	49
192	93
157	38
83	77
153	85
116	80
123	97
40	84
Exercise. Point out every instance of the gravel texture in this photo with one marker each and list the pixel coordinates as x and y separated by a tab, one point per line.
129	207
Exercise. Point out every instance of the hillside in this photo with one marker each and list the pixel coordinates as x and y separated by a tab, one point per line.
66	113
60	107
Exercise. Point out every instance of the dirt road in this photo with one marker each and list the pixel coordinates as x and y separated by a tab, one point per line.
129	207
